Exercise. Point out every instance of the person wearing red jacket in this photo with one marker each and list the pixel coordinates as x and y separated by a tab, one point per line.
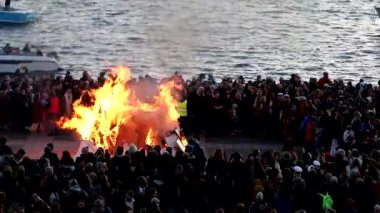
38	114
310	135
53	113
324	80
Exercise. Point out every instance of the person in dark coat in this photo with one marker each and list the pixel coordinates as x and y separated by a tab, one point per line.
7	4
75	198
50	155
4	109
19	104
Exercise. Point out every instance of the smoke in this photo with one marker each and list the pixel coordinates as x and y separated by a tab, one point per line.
157	119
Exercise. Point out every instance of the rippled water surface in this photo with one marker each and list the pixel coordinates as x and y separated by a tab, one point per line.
223	37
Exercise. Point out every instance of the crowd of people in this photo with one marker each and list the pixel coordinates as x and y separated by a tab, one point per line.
26	50
35	103
329	162
314	114
156	180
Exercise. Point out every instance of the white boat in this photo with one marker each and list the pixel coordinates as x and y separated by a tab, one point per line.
9	63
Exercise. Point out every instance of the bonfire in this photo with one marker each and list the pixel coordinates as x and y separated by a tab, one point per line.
120	113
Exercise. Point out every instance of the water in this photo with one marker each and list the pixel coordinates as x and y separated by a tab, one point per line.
222	37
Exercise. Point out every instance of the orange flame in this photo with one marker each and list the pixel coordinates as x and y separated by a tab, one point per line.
115	105
149	139
184	141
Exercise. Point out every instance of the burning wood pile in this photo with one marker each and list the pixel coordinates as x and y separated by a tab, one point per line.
120	112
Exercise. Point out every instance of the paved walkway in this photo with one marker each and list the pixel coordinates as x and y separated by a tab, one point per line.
242	145
34	144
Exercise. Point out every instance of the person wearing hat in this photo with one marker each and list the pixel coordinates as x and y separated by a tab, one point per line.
297	171
316	164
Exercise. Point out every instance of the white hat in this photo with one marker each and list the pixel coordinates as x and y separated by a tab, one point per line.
259	196
155	201
310	168
297	169
316	163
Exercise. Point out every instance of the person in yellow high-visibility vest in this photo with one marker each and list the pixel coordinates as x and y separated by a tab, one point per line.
182	111
182	108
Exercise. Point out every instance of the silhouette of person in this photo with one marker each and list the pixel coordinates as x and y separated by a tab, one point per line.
7	4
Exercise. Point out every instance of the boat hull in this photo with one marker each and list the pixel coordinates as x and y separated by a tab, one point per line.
16	17
10	63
